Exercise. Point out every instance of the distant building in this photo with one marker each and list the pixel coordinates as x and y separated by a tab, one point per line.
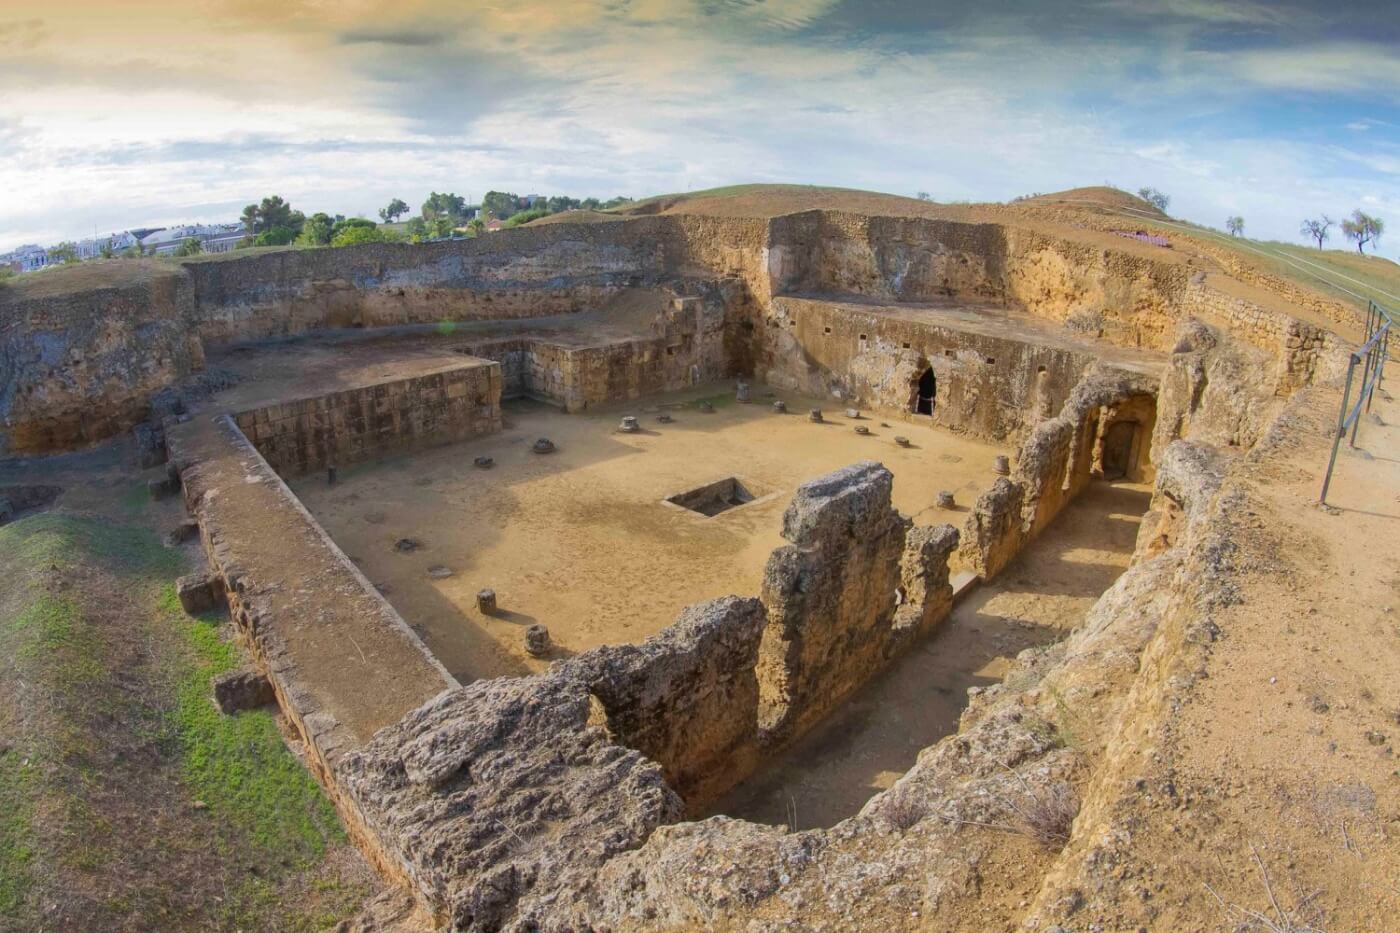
213	238
534	200
28	258
493	224
111	244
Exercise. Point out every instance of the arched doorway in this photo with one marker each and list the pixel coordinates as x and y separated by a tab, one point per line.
928	388
1117	453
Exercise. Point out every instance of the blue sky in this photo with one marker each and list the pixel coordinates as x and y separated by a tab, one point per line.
150	112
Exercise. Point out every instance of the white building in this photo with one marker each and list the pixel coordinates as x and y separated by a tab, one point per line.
213	238
27	258
112	244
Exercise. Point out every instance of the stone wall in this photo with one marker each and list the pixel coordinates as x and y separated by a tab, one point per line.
79	365
830	595
687	698
451	404
1058	459
342	662
991	385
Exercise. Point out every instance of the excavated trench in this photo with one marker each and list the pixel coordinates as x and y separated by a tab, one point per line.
875	736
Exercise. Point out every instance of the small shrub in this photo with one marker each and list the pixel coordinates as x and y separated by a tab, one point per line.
903	811
1046	814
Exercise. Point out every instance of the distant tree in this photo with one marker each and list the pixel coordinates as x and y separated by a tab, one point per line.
925	196
590	204
135	250
275	236
1362	228
357	234
616	202
273	213
1235	225
317	230
106	250
522	218
189	246
393	212
349	223
417	228
1317	229
442	227
500	203
1154	197
66	253
451	206
477	226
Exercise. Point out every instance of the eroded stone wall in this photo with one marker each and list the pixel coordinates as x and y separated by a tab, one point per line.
1058	459
304	435
991	385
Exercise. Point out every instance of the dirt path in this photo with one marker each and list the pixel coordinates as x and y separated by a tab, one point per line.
876	736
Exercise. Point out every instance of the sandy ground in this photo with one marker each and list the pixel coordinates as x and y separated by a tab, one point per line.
865	747
581	540
1283	758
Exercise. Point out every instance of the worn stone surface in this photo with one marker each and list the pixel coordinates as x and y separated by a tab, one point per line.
501	802
830	594
199	592
235	691
687	698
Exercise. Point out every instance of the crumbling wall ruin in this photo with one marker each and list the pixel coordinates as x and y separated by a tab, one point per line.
1056	462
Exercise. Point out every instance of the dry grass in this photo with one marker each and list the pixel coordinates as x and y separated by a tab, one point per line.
1303	917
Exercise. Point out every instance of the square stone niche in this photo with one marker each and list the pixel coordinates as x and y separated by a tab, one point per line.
714	498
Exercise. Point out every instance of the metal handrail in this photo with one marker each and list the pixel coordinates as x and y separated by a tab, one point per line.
1373	354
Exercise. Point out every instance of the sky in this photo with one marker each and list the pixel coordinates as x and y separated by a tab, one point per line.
148	113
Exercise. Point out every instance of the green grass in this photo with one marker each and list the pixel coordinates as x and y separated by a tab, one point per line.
261	806
238	765
16	833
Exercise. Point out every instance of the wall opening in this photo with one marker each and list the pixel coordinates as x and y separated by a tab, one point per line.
1119	444
924	397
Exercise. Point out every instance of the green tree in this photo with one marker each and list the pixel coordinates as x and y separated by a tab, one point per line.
317	231
525	217
66	253
189	246
616	202
1235	225
590	204
275	236
393	212
1154	197
417	229
1361	228
273	212
356	234
106	249
1317	229
500	204
477	226
445	205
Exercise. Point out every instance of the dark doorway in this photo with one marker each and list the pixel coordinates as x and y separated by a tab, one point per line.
928	387
1118	449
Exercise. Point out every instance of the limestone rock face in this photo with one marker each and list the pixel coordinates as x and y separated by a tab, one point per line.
830	593
688	696
500	802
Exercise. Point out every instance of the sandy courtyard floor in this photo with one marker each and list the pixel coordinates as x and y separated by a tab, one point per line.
581	540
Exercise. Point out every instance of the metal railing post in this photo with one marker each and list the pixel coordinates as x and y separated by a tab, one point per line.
1341	430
